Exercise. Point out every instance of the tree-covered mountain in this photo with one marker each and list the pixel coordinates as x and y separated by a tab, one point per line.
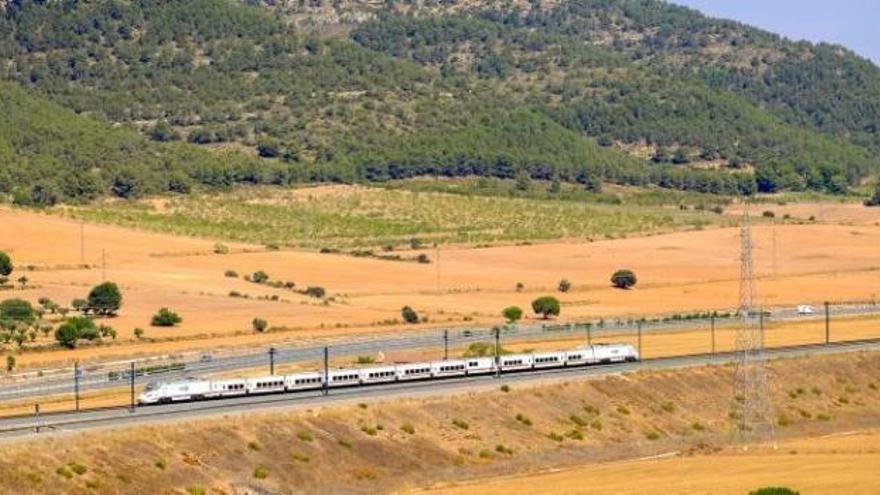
627	91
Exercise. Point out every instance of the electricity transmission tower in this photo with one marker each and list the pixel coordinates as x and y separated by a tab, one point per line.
752	409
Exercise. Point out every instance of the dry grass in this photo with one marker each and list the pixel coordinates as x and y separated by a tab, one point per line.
217	454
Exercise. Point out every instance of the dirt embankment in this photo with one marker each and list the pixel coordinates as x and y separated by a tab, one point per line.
405	445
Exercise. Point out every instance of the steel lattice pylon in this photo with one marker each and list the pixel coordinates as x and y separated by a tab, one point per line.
752	409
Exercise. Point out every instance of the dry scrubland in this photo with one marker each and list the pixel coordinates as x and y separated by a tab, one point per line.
835	257
413	443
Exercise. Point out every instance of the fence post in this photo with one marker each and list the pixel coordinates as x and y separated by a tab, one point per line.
36	417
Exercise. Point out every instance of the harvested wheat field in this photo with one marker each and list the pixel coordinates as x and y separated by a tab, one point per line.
847	463
408	443
678	273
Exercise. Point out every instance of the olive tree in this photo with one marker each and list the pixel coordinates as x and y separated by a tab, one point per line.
546	306
409	315
5	267
105	299
512	314
624	279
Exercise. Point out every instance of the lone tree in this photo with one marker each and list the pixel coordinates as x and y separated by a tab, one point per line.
165	318
546	306
624	279
512	314
75	329
564	285
5	267
260	325
105	299
409	315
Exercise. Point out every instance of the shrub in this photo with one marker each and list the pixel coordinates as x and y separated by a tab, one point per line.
575	435
369	430
17	311
316	292
221	249
512	314
623	410
409	315
524	419
486	454
423	258
300	457
138	333
461	424
501	449
230	274
10	363
624	279
774	490
415	243
652	435
344	443
768	214
165	318
305	436
520	286
668	407
564	285
6	266
696	425
546	306
160	464
79	469
64	472
261	473
505	388
365	360
556	437
260	277
195	490
408	428
260	325
254	446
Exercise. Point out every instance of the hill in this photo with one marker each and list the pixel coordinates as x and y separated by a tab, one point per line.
632	92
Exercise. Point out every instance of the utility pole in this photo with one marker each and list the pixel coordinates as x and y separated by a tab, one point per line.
76	374
712	329
589	334
827	322
445	345
36	417
326	369
103	265
272	352
498	352
131	374
640	341
761	326
437	255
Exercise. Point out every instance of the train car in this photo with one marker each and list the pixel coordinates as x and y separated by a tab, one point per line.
378	374
344	378
579	357
229	388
452	367
304	381
265	384
548	360
176	391
514	362
480	366
413	371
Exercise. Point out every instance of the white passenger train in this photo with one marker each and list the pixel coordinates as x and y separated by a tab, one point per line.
191	389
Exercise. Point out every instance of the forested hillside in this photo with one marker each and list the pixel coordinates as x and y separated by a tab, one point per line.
626	91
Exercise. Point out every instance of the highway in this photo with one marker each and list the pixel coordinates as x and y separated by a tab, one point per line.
110	375
23	428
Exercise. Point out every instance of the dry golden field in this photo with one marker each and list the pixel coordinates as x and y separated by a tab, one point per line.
678	273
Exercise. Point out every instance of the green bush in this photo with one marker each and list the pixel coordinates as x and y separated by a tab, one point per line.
461	424
624	279
774	490
409	315
259	325
546	306
165	318
260	473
